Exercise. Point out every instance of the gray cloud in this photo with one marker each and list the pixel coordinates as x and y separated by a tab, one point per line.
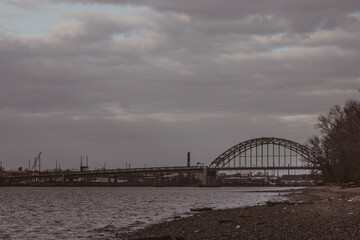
302	16
182	76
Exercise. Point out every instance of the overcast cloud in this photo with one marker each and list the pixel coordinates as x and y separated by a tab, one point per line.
147	81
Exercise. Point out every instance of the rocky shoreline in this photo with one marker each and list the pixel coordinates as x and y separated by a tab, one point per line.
312	213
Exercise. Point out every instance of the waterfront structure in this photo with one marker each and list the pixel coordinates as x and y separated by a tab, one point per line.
267	154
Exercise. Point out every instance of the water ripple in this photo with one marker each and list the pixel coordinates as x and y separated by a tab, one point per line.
99	213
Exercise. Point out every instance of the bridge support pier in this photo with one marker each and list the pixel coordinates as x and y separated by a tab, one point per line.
158	180
205	180
155	180
63	179
109	180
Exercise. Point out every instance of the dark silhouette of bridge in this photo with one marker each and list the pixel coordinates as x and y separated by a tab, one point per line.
265	153
255	154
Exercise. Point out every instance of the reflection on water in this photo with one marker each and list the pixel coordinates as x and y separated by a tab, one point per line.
98	213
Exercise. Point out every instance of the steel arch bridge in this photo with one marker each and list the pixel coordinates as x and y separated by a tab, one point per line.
265	153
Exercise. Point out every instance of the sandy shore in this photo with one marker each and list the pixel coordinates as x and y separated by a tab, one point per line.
313	213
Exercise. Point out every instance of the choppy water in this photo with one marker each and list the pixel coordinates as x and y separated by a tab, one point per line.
98	213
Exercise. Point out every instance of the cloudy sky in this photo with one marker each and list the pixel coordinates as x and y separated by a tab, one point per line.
146	81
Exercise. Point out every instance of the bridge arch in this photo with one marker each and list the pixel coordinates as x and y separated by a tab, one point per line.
288	146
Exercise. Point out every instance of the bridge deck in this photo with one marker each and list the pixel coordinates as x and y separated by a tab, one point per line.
109	172
132	171
264	168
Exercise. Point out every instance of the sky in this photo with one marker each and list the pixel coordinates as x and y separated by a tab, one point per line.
145	82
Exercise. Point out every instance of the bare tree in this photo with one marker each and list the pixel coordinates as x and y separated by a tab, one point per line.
338	146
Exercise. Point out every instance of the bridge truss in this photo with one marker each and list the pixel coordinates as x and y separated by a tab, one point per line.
265	154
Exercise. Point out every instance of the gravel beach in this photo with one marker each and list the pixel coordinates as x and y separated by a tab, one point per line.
312	213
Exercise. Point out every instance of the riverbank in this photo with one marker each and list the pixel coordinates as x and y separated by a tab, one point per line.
312	213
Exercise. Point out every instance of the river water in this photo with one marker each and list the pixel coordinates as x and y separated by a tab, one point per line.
99	213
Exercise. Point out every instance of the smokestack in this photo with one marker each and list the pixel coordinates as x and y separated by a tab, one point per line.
188	159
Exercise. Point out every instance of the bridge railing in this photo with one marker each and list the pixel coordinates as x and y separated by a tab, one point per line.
118	171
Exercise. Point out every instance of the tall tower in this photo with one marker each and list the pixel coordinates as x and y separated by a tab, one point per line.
188	159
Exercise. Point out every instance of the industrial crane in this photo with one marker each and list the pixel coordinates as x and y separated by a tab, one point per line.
36	163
